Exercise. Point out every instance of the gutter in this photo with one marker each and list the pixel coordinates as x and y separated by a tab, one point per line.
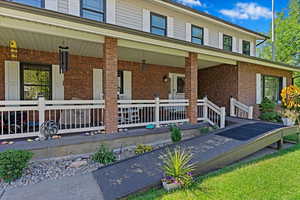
261	42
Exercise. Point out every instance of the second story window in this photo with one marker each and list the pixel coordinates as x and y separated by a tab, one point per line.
227	42
197	35
246	47
158	24
34	3
93	9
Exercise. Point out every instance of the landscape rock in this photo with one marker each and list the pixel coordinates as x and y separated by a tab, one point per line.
78	164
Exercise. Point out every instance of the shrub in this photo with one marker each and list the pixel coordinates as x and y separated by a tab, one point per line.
204	130
268	113
176	135
177	166
104	155
141	148
12	164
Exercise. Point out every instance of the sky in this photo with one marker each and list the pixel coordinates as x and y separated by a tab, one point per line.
255	15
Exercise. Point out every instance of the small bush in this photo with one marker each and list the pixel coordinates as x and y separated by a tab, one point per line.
12	164
176	135
177	166
104	155
268	113
204	130
141	148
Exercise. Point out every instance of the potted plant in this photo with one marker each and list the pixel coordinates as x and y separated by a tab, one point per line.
291	105
177	168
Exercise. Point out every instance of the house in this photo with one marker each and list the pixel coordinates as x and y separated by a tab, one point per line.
130	51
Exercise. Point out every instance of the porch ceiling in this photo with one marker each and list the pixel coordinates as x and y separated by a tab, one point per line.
50	43
43	42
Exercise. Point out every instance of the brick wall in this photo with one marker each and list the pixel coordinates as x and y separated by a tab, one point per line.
78	80
247	82
219	83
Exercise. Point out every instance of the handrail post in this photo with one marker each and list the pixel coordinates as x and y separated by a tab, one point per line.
157	124
250	114
205	108
222	117
41	110
232	101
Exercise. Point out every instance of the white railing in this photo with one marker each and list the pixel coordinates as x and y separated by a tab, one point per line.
210	112
24	118
137	113
238	109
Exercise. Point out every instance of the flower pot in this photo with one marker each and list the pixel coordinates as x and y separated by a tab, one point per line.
170	186
288	122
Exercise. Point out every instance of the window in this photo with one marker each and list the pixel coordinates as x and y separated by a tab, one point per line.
271	87
227	42
34	3
197	35
180	84
93	9
246	47
121	82
158	24
36	81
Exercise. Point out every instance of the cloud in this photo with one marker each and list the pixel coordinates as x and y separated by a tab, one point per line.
191	3
247	11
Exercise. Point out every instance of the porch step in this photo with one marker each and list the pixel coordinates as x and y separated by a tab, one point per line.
209	153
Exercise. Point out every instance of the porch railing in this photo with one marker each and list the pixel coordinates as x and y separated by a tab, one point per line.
23	118
137	113
210	112
238	109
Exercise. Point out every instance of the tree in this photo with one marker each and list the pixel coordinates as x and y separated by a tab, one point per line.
287	34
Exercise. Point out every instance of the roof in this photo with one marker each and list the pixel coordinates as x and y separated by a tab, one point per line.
121	29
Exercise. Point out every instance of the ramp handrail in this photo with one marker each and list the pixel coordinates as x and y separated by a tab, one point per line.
238	109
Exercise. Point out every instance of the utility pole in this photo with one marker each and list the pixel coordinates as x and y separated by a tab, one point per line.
273	30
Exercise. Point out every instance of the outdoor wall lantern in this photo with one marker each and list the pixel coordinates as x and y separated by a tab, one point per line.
143	65
13	49
63	59
166	79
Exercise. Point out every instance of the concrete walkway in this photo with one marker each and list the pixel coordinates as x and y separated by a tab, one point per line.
82	187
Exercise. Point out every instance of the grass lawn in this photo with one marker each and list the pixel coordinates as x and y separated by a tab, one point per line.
274	177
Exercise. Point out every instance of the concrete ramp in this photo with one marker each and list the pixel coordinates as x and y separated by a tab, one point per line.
209	153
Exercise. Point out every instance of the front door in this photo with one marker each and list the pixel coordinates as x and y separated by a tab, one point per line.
177	84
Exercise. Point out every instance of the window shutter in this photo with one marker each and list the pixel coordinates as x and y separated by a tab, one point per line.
234	44
12	80
241	46
206	36
170	26
146	20
220	40
74	7
252	50
284	84
51	5
128	84
97	84
111	11
188	32
58	90
258	89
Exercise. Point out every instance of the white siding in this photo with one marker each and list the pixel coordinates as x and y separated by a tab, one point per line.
63	6
51	4
111	11
214	39
74	7
12	80
179	29
129	15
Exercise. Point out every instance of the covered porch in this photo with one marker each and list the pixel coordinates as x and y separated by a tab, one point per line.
112	83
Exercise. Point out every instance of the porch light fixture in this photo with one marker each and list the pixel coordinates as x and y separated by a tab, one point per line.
13	49
166	79
63	59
